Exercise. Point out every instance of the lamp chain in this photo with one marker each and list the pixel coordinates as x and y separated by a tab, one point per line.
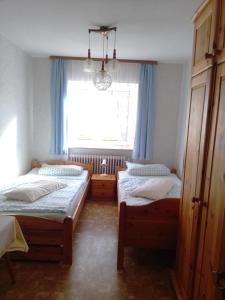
107	44
89	45
115	39
103	47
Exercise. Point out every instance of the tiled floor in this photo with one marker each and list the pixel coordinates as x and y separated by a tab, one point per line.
93	275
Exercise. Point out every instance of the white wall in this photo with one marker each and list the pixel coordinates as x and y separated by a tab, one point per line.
15	110
167	95
168	83
182	116
42	109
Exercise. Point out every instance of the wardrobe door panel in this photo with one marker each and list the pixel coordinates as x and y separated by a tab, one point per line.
221	31
213	256
189	209
205	189
204	22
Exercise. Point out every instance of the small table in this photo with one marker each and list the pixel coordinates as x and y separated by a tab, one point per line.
12	239
103	186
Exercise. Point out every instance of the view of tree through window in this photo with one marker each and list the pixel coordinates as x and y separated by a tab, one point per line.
101	119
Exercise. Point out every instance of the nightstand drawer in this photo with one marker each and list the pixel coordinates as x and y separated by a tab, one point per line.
103	184
102	194
103	188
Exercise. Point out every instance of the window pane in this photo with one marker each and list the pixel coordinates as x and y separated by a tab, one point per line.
101	119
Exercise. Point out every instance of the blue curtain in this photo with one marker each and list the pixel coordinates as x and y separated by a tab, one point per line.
58	96
145	112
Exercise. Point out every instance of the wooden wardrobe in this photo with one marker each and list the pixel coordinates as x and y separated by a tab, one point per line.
200	263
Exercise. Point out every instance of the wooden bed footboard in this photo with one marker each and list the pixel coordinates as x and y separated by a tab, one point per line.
49	240
149	226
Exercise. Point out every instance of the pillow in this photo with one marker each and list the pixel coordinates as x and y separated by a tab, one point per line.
32	191
60	170
147	170
154	189
132	165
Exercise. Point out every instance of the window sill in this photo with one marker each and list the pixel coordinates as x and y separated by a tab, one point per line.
102	146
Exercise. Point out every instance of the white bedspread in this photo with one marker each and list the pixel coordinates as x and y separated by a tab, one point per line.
55	205
127	183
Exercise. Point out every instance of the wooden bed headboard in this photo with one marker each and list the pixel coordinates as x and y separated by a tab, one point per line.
37	164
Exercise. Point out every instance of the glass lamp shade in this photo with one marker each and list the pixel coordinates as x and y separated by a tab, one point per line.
102	80
89	65
113	66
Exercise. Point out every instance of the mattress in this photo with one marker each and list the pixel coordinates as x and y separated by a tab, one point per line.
127	183
53	206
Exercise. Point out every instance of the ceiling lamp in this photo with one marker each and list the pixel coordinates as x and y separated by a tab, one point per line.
102	78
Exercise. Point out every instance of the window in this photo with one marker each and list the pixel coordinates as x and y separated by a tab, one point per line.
99	119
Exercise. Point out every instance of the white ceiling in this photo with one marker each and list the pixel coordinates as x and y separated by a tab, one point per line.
146	29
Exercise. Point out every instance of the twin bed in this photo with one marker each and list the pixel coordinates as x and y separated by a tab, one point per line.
145	223
48	222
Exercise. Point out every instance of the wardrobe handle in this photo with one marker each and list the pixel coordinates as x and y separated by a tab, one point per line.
195	200
208	55
219	279
213	54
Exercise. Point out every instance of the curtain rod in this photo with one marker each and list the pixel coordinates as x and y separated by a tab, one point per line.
135	61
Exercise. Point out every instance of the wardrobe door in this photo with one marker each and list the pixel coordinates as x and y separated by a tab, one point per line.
212	283
189	207
204	26
221	31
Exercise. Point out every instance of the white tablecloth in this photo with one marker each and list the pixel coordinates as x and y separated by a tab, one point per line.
11	236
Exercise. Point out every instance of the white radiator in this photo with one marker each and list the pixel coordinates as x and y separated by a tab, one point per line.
112	161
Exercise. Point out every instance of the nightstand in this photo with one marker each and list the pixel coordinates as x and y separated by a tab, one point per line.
103	187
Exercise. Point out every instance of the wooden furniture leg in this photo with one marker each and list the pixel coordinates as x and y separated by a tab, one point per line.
68	241
121	235
9	266
120	256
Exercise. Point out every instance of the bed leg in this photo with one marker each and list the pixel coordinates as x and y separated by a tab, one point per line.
68	241
121	235
120	256
9	266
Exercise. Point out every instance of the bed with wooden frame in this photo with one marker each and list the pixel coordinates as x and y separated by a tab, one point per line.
50	240
153	225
